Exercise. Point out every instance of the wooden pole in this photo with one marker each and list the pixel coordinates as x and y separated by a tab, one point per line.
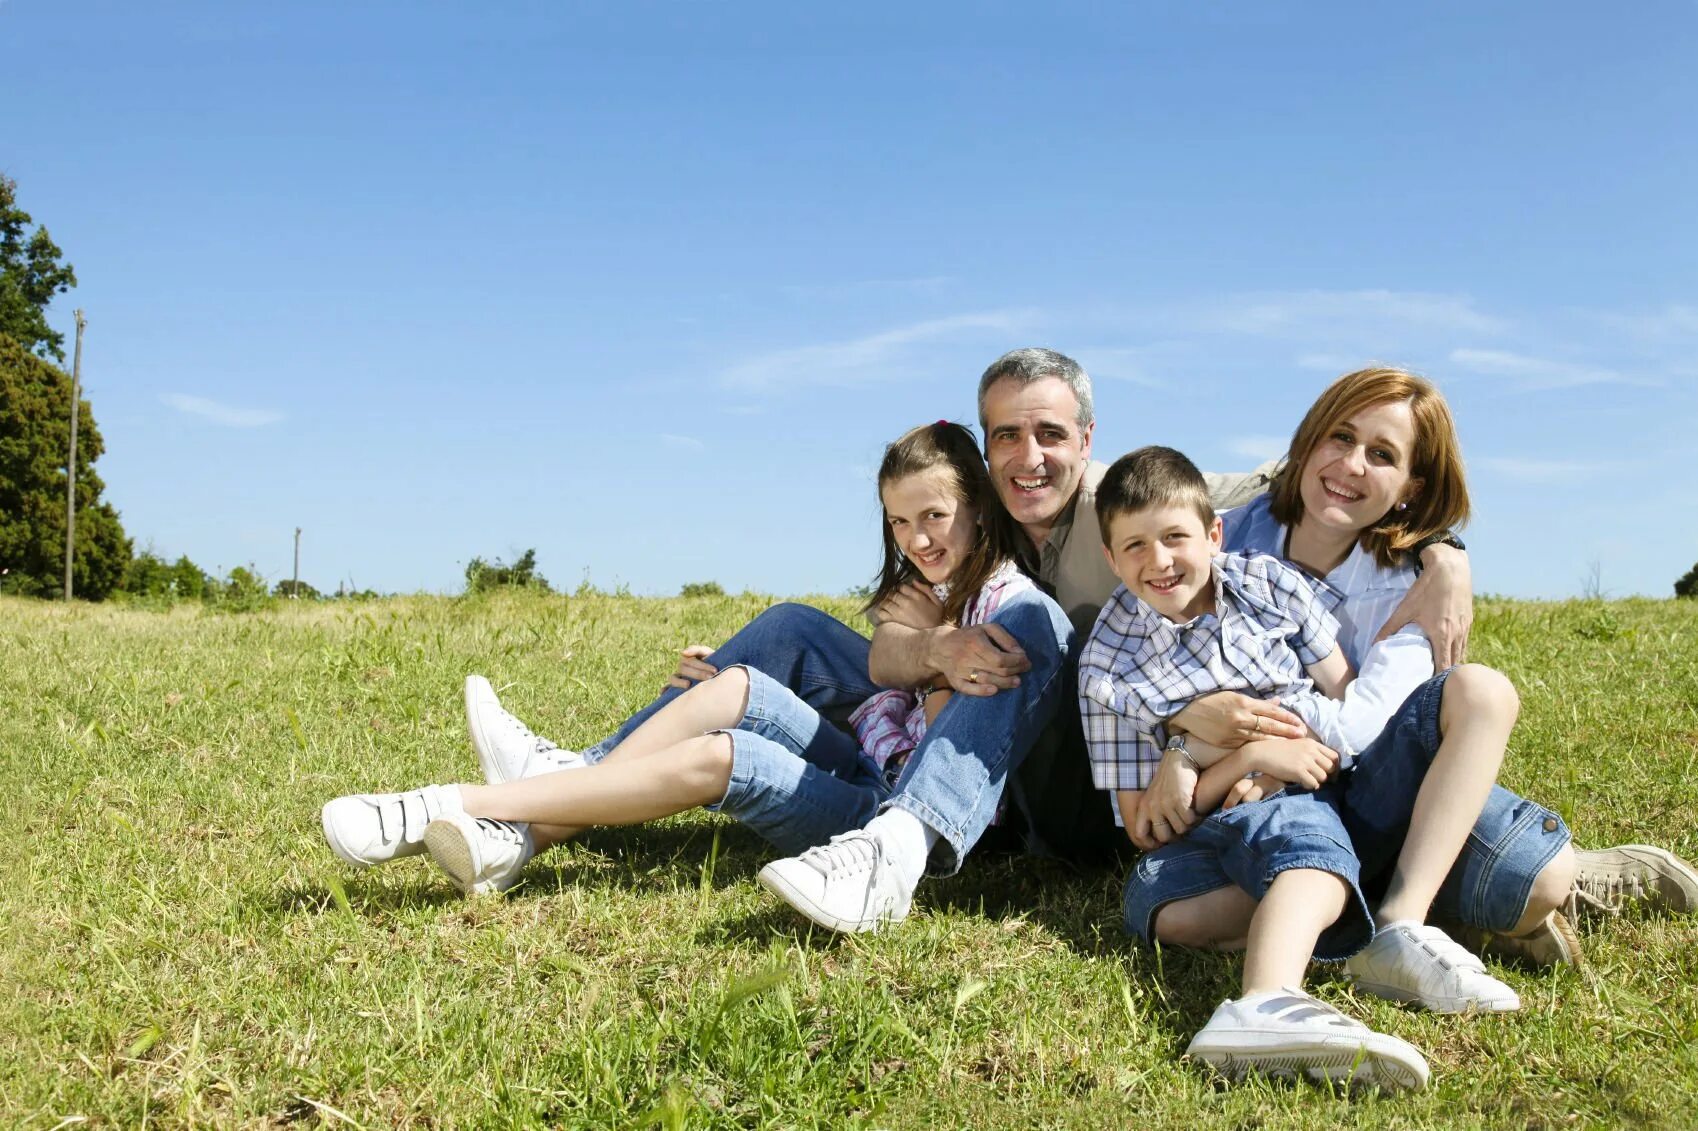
71	464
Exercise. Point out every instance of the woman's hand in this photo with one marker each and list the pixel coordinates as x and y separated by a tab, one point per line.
1168	801
1301	761
1442	602
692	667
1229	719
1246	790
913	606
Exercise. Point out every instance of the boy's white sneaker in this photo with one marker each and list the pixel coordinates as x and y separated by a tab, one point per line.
480	854
1420	964
847	884
507	749
371	828
1288	1033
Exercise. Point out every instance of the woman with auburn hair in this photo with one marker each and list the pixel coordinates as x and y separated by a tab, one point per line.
1374	475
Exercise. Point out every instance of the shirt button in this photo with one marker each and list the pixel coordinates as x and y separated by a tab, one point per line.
1550	824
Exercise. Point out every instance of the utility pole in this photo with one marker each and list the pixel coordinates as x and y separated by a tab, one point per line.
71	464
295	588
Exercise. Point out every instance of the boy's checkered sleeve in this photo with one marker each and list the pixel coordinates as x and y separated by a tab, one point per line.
1317	629
1124	752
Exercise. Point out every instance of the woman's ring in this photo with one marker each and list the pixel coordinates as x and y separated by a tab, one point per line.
1258	719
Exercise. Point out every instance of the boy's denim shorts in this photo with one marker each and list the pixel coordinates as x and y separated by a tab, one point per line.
1371	804
796	779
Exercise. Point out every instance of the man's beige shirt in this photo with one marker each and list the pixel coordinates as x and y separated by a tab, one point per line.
1070	565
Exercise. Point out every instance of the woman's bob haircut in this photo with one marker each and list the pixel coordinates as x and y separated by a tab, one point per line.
1438	490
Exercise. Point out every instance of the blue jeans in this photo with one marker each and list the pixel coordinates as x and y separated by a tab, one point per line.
955	777
1371	805
796	780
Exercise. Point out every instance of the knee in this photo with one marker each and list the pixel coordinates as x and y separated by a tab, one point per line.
1036	622
1184	923
787	616
1480	692
708	767
1552	885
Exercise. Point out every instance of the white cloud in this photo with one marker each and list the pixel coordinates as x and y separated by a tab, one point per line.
682	443
227	415
1258	447
1304	314
1537	470
1538	372
876	358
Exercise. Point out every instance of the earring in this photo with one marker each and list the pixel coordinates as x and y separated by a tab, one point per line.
1401	507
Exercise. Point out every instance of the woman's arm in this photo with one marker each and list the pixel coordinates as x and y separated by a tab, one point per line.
1441	602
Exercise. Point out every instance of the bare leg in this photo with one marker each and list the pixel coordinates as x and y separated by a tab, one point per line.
1298	906
1550	890
626	792
1215	920
714	704
1475	718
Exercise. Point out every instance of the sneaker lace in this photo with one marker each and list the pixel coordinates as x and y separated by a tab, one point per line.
846	852
1605	892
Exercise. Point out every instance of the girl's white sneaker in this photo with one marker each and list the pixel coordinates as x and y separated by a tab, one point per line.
372	828
480	854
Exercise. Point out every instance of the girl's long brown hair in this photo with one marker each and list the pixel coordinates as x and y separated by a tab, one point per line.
1441	504
952	449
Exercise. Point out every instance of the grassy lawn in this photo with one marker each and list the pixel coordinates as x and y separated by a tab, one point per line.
180	947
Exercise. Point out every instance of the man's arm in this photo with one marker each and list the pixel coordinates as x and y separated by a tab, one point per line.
980	660
1442	602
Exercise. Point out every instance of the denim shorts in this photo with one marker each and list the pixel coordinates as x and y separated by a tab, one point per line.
796	779
1511	842
1509	846
1249	845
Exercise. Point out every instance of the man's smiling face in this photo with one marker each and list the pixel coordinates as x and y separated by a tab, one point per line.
1035	448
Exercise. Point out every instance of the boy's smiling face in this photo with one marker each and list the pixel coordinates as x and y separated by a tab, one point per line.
1162	555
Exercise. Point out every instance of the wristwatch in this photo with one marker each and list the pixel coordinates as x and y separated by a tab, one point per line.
1443	538
1177	744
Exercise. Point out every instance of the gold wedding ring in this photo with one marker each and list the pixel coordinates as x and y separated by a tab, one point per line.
973	676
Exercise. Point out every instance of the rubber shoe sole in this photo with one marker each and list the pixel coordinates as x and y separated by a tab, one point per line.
1380	1061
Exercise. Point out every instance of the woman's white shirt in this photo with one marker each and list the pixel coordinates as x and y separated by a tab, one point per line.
1361	593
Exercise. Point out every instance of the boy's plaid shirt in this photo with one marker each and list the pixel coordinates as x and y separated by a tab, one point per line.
1139	669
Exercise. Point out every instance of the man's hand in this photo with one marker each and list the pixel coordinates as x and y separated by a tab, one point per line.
1301	760
692	667
913	605
1246	790
1168	800
980	660
1442	602
1229	719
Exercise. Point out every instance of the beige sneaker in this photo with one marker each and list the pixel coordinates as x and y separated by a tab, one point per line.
1552	943
1607	879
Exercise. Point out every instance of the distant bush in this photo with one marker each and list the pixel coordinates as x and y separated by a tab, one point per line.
296	589
150	577
243	591
702	589
482	576
1687	586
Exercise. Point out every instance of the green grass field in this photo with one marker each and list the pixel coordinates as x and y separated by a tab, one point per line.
180	947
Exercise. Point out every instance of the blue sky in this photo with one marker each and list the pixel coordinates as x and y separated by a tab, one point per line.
648	286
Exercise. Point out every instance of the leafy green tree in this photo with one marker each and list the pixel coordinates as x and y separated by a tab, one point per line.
1687	586
30	275
482	576
188	581
35	402
702	589
288	587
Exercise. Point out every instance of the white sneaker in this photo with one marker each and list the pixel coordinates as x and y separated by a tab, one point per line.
846	884
1287	1032
481	855
507	749
1417	963
370	828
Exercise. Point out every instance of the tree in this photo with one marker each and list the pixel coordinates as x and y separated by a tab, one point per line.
1687	586
482	576
35	402
30	275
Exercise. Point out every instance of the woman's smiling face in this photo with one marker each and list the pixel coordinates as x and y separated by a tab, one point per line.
1360	469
